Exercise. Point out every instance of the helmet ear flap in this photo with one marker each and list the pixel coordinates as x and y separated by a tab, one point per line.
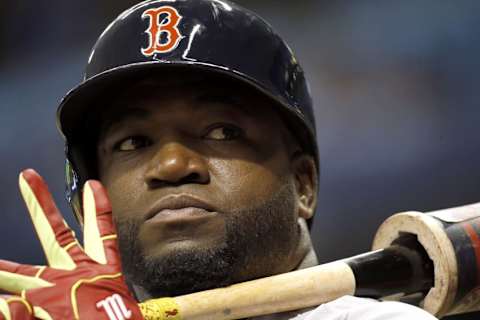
80	166
73	192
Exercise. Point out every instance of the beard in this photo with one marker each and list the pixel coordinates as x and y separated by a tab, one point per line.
256	239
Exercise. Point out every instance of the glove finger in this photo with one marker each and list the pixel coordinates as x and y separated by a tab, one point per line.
13	307
99	230
57	239
18	268
14	277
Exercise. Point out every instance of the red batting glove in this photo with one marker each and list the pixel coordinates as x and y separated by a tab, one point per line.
79	283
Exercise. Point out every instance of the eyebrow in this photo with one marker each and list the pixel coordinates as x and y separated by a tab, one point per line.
223	99
125	114
114	118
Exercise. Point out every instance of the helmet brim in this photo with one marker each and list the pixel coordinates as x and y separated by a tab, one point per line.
81	101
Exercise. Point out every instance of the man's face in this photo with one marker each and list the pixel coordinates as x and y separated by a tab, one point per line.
200	180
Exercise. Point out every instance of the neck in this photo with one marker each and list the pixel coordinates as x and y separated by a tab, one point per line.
310	258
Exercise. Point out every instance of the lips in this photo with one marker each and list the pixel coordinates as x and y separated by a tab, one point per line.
174	207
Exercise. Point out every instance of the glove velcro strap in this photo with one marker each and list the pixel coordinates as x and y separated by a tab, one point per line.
160	309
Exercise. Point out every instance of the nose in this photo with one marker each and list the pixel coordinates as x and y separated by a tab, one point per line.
176	164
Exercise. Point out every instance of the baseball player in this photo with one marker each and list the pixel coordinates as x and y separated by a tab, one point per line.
197	119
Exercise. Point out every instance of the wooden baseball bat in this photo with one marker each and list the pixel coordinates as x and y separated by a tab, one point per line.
432	257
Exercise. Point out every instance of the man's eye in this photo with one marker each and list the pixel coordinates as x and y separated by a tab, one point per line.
223	132
132	143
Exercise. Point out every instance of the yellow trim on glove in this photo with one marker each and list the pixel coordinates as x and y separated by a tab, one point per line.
57	256
40	313
40	271
77	284
93	243
5	309
109	237
21	300
16	283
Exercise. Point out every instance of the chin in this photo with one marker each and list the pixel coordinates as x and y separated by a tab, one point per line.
184	245
186	266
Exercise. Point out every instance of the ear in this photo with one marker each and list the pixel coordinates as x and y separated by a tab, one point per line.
306	184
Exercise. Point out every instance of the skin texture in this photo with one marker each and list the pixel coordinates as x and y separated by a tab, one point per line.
206	185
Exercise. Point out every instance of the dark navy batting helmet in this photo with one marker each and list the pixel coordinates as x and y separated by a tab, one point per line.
214	36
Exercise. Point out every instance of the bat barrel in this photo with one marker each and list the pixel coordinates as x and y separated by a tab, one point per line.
451	238
462	226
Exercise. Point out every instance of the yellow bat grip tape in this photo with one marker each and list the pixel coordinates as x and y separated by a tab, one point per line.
160	309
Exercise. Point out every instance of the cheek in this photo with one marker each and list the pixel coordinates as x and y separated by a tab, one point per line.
124	188
247	184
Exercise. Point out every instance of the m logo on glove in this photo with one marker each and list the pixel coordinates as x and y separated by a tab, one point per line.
115	308
168	28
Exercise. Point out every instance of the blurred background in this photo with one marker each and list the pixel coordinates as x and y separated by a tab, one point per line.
394	84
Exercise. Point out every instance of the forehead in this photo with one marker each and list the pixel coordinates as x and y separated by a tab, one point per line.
188	95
